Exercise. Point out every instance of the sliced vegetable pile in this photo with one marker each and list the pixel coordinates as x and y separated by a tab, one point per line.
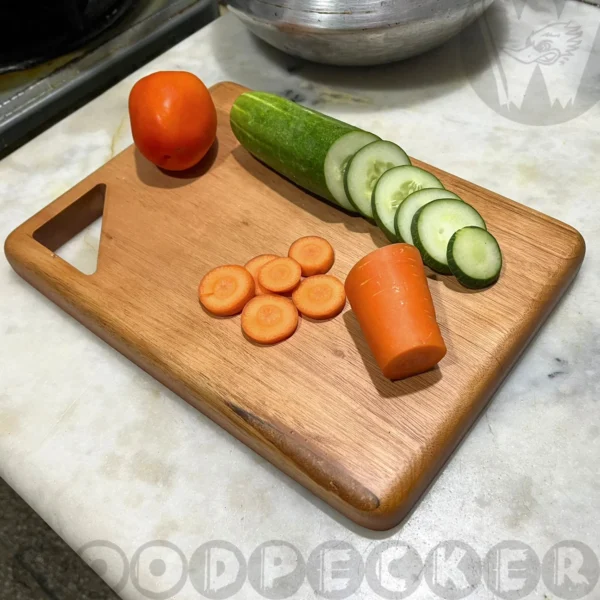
269	290
224	291
363	174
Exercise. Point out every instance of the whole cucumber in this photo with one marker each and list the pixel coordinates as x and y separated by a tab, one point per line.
290	138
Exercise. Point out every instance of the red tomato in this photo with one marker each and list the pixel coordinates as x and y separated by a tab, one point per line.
173	119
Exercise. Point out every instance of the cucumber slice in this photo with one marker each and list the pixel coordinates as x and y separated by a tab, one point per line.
365	169
393	187
435	223
406	211
336	163
474	257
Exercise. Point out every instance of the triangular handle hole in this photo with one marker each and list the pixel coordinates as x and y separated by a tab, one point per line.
74	233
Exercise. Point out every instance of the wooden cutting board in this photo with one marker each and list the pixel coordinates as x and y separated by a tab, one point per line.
315	405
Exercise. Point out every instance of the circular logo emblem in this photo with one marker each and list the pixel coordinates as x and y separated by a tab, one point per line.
276	570
218	570
534	63
453	570
394	570
335	570
570	570
511	570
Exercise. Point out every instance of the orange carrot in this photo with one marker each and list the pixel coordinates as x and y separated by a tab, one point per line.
280	275
225	290
314	254
269	319
389	295
320	297
254	266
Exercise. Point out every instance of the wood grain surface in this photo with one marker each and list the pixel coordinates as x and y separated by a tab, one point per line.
315	405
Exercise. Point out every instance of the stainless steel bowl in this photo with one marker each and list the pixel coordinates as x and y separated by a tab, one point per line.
356	32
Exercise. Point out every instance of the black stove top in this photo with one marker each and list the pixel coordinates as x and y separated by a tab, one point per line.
78	54
39	32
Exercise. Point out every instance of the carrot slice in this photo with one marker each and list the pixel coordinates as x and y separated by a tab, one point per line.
269	319
314	254
390	297
224	291
254	266
320	297
280	275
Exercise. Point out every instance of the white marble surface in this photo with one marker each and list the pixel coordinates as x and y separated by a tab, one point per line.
102	451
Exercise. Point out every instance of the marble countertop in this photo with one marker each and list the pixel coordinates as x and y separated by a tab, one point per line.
103	452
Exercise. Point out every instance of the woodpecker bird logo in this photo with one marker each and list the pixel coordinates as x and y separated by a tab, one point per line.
551	44
535	61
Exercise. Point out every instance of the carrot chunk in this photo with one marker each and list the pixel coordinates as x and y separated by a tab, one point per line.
389	295
269	319
314	254
320	297
280	275
254	266
224	291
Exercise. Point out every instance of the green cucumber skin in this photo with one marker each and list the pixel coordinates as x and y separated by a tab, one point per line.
291	139
349	196
360	212
431	262
392	238
397	231
463	278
